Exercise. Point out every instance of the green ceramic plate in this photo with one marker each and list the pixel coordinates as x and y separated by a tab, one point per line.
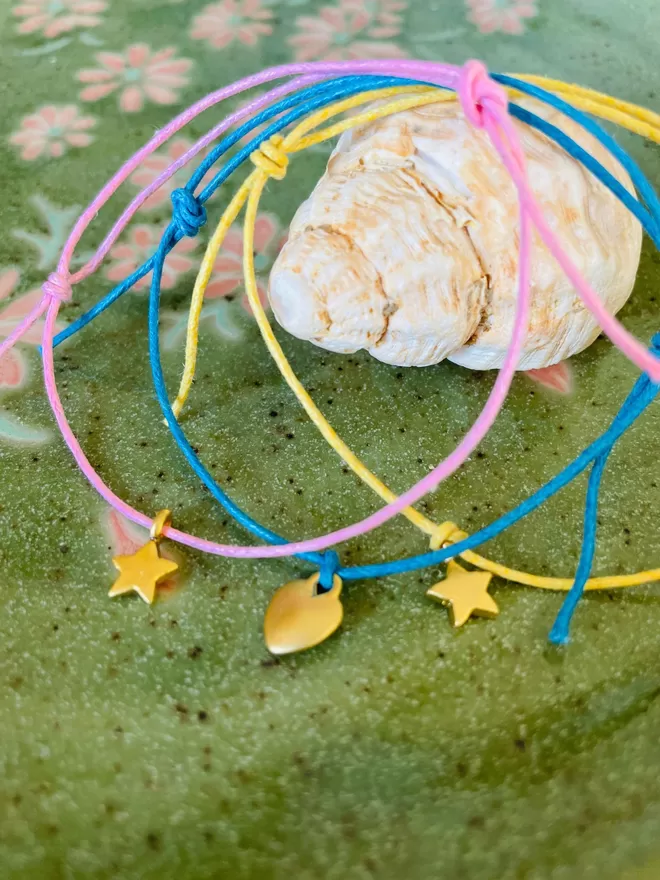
165	742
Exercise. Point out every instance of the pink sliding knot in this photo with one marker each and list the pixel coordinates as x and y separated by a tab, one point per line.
57	287
479	93
57	290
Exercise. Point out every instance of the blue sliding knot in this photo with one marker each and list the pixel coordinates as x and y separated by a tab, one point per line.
329	567
188	215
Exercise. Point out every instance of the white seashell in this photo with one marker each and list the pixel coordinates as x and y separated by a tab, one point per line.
407	246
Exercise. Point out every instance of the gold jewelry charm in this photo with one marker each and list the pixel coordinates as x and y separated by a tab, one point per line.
143	570
298	617
465	592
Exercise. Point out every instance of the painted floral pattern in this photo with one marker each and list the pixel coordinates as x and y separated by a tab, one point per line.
56	221
508	16
139	74
51	130
138	245
227	274
13	369
12	365
349	30
229	21
558	377
385	16
55	17
220	314
226	284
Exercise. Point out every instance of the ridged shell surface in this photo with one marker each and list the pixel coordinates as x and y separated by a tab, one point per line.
408	245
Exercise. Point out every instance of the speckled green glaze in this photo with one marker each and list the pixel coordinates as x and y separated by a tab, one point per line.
164	742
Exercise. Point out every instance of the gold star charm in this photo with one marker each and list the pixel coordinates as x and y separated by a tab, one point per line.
143	570
466	593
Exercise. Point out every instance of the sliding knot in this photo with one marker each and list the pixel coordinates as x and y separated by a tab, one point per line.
57	287
271	158
445	533
189	214
478	93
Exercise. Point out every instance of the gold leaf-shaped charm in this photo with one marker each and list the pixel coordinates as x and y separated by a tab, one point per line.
298	617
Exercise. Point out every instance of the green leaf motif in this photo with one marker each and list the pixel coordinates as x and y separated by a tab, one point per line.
13	431
90	40
52	46
221	314
45	49
58	221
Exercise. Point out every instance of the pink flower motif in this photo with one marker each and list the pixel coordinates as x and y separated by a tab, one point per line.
13	368
140	74
229	20
154	165
352	29
55	17
228	269
384	19
126	538
557	378
501	15
142	242
51	130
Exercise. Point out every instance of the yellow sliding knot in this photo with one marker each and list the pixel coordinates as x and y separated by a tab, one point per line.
271	158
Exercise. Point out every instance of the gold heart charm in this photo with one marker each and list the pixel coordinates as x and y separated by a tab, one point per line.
298	617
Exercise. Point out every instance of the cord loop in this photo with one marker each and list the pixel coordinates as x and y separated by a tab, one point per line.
328	569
